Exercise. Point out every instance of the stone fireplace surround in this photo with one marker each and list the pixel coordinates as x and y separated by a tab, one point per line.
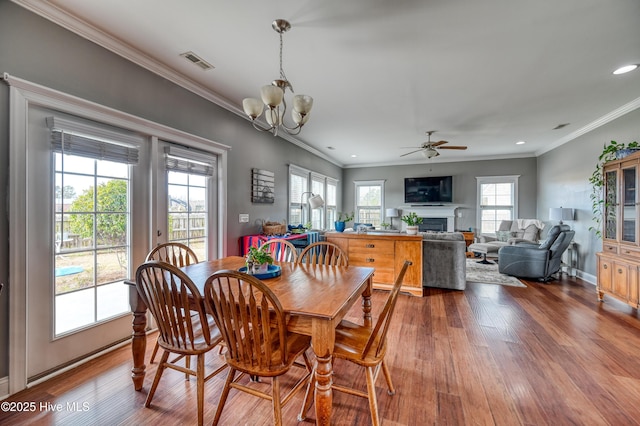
447	211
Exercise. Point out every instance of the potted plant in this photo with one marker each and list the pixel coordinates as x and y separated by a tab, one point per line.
385	225
412	220
343	218
258	261
610	152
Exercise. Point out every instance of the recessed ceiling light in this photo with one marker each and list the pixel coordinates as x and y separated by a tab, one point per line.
353	156
520	143
625	69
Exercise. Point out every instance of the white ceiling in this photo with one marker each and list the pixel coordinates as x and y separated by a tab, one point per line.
485	74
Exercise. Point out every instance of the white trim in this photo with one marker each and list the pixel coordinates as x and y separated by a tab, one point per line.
373	182
79	363
60	17
607	118
23	94
4	387
480	180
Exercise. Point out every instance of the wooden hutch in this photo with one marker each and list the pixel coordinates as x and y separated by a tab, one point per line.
619	261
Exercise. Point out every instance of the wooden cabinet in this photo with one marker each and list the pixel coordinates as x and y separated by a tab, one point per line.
619	261
386	252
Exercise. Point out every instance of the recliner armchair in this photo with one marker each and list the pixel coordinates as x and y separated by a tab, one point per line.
538	261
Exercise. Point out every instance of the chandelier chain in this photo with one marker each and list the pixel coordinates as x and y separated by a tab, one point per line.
282	75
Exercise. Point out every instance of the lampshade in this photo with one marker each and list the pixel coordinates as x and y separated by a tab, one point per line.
560	213
316	201
392	213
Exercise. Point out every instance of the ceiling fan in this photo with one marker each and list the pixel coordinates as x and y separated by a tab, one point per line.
429	149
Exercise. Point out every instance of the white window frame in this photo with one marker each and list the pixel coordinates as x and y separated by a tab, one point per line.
23	94
513	207
310	176
359	183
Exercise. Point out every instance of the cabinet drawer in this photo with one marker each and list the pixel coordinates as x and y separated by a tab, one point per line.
608	248
629	251
364	246
373	260
384	275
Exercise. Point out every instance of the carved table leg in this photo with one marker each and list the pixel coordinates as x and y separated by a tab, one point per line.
139	340
366	303
323	340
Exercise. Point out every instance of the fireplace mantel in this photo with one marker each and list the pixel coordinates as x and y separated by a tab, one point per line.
445	210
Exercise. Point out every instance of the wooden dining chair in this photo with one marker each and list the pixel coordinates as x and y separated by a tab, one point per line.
176	254
253	326
366	347
281	250
185	329
323	253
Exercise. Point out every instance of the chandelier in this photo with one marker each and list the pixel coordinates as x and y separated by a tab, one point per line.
273	98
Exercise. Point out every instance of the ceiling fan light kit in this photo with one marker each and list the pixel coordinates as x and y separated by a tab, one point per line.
428	149
273	98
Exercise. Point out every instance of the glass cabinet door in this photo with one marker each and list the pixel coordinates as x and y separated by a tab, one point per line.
629	216
610	204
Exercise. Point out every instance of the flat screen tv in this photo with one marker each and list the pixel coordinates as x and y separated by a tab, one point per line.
430	189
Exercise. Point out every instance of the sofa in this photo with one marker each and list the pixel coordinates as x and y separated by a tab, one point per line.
444	260
509	232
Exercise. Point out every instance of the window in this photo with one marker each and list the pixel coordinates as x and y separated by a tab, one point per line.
317	187
91	228
331	202
497	201
188	173
302	183
298	185
369	201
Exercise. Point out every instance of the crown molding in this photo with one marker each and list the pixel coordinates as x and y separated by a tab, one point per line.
607	118
64	19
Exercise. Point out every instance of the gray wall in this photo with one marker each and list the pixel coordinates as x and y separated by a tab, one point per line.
464	184
563	180
36	50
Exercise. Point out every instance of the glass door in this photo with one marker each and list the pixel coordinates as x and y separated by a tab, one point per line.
610	204
629	202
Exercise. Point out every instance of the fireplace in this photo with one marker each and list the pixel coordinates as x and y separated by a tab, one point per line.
434	218
438	224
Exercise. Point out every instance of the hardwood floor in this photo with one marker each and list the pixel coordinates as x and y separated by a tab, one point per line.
548	354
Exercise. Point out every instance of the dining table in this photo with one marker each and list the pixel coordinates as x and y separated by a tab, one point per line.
315	298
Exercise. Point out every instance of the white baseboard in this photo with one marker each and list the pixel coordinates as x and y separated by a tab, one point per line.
4	387
591	279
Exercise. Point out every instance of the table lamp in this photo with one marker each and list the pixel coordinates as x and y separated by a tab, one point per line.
560	214
391	213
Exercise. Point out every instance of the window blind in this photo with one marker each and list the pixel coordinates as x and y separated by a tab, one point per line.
87	140
189	160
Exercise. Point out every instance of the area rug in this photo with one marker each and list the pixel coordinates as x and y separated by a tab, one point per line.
488	274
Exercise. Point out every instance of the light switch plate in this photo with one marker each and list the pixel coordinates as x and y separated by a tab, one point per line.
243	218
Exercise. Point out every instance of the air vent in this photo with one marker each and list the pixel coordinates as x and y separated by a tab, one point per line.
192	57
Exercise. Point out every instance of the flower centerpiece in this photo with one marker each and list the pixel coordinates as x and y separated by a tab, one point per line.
343	218
412	220
258	261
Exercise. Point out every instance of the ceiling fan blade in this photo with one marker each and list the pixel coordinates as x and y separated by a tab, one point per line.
452	147
434	144
412	152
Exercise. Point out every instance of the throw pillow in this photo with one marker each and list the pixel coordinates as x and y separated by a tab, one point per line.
504	235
